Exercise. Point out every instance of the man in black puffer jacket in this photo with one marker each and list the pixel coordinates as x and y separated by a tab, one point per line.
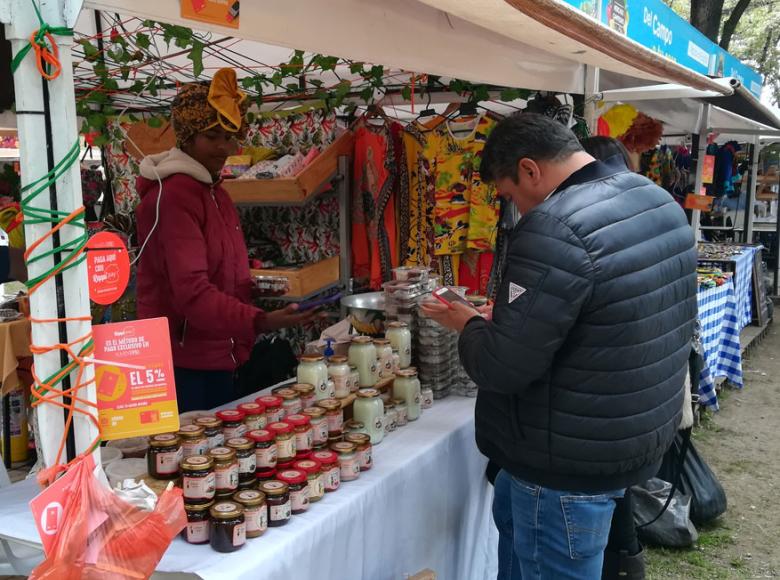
581	369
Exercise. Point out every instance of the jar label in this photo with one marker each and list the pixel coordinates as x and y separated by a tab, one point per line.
336	422
427	402
320	434
227	477
239	535
304	441
253	422
300	499
256	519
199	487
317	486
274	416
341	384
216	440
365	458
350	469
198	532
332	478
247	464
379	424
281	512
196	447
266	456
285	448
292	407
167	463
237	431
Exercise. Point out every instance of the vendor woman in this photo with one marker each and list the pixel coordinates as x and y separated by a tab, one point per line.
194	268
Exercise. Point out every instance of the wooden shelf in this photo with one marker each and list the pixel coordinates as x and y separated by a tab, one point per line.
307	280
292	190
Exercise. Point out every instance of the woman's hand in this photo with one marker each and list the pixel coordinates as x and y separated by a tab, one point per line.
290	316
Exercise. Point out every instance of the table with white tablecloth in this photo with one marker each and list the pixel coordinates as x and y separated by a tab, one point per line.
424	504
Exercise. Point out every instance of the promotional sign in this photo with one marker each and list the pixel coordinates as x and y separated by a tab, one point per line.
220	12
708	169
108	268
136	391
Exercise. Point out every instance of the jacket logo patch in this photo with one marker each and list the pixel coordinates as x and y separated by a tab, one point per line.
515	292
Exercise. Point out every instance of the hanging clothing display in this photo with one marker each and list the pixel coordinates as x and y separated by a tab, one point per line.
417	244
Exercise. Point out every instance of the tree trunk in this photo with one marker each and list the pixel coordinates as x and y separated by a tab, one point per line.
706	15
731	23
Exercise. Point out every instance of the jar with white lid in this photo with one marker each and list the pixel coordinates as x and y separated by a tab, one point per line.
384	354
400	338
339	372
362	354
312	370
407	387
369	410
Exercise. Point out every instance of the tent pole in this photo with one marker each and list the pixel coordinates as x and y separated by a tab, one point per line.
591	83
704	116
750	195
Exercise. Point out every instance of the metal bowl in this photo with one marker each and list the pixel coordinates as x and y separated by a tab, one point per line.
366	312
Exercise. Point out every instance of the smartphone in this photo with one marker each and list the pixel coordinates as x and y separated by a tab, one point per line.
309	304
448	297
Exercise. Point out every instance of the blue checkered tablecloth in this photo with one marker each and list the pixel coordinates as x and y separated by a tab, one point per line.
743	285
721	319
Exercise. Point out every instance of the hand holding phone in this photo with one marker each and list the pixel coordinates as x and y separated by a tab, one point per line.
448	297
318	303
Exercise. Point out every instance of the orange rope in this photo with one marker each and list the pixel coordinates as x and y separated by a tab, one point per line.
45	56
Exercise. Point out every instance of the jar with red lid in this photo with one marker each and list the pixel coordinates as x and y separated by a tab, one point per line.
319	425
197	529
232	423
254	415
273	408
245	454
198	482
348	460
299	488
164	456
334	414
193	440
306	393
225	471
331	471
285	441
362	442
227	532
255	511
265	449
304	435
277	497
313	470
266	475
212	429
291	401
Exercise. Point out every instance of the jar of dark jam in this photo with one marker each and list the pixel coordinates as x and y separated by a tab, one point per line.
227	532
299	488
232	423
245	453
164	456
197	529
255	511
277	496
225	471
265	449
198	482
212	429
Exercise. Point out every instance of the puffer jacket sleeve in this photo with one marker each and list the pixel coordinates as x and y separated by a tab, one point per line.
548	279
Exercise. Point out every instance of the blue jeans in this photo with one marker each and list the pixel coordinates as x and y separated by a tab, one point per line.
545	534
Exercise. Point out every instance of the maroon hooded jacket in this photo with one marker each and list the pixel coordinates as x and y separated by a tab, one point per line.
194	269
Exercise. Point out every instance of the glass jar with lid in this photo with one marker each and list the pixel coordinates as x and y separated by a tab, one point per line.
273	408
339	372
291	401
212	429
232	423
334	414
197	529
265	450
319	425
354	379
277	496
254	415
225	471
245	454
193	440
348	460
353	426
400	338
313	371
299	488
391	417
306	393
362	354
401	411
331	471
384	354
426	395
285	442
313	471
255	511
198	482
228	528
363	449
369	410
164	456
304	434
407	387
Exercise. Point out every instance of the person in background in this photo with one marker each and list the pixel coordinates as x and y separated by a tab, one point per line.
194	267
12	266
581	368
623	556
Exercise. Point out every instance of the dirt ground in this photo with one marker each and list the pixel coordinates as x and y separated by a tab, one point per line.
741	443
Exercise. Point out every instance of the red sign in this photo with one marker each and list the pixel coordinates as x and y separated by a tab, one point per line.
108	268
136	391
708	169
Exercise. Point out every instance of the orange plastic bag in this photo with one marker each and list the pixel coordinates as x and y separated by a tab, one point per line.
104	537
